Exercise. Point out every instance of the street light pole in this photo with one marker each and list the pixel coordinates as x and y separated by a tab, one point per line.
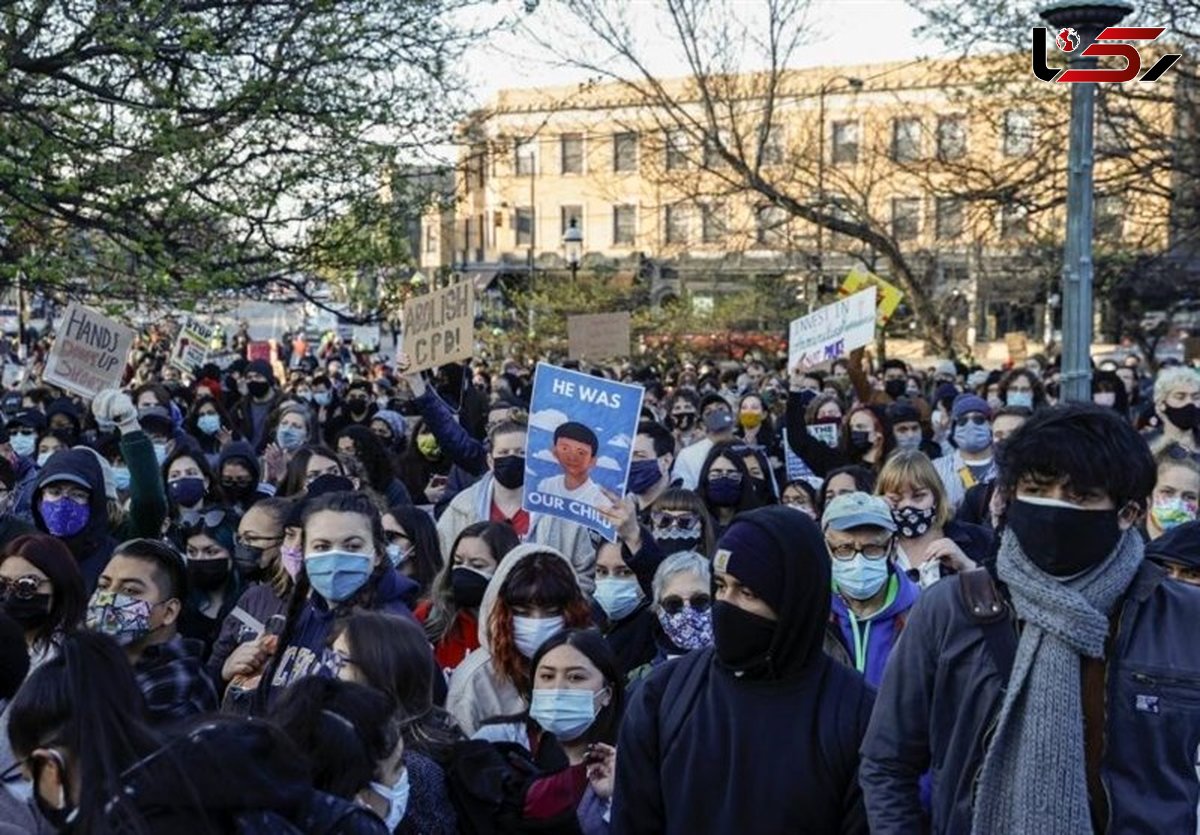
1088	19
573	247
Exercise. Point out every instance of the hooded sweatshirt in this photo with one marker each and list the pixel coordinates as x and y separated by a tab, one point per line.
93	545
881	630
244	454
1179	545
704	750
478	691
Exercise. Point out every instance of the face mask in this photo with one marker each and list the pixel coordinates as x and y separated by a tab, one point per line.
427	445
688	628
617	597
909	441
859	577
643	475
357	405
321	398
1171	513
249	561
750	420
468	585
742	639
565	713
1021	399
258	388
338	575
31	612
1060	538
397	798
292	559
912	522
1185	417
304	396
123	618
209	424
43	457
724	492
207	575
1106	399
861	440
995	403
397	555
186	492
684	421
64	517
531	633
290	438
121	478
508	470
672	541
23	445
160	453
973	437
895	388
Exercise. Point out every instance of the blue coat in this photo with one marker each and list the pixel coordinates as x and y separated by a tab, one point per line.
943	691
881	632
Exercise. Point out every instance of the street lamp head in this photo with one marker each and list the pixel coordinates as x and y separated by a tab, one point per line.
573	242
1098	13
855	83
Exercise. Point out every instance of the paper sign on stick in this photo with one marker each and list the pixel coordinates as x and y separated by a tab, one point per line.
598	335
833	331
89	352
889	297
439	327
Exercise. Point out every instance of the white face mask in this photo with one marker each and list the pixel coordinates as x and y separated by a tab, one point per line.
531	633
397	798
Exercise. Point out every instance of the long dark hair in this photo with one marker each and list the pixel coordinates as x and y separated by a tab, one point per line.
68	603
592	644
293	480
734	451
426	558
500	538
395	657
372	454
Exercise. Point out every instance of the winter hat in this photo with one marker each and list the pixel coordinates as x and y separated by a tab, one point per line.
261	367
394	420
753	556
967	403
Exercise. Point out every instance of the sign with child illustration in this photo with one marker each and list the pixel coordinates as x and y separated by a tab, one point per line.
581	431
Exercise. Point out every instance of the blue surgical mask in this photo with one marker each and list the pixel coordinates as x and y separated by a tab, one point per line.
43	457
121	478
973	437
1021	398
23	445
338	575
209	424
160	452
289	437
565	713
321	398
397	555
910	441
531	633
617	596
859	577
397	798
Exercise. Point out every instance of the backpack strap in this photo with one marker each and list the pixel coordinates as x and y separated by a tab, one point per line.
980	596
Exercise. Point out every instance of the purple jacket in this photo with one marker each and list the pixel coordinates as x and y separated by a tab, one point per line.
880	632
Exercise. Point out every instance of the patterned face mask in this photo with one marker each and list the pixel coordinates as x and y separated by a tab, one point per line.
912	522
125	619
688	628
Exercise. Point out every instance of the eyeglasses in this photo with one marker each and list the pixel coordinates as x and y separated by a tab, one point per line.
978	420
22	588
732	475
22	430
1178	453
674	604
252	540
666	521
848	550
203	518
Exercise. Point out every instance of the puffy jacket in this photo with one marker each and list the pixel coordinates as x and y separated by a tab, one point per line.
943	689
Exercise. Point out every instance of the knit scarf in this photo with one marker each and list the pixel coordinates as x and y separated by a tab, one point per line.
1033	777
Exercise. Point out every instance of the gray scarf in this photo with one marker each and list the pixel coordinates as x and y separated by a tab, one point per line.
1033	777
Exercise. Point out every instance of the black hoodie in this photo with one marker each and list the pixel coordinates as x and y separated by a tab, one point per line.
1179	545
93	545
705	751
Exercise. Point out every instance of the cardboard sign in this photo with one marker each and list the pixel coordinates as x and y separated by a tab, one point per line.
578	450
1018	346
439	327
259	350
598	335
889	297
833	331
89	353
191	348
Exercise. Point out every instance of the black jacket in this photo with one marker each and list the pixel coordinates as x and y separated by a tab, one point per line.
1180	545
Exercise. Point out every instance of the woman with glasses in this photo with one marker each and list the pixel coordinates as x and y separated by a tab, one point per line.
41	589
680	522
682	608
215	581
872	596
726	485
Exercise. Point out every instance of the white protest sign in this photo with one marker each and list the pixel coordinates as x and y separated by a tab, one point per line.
833	331
366	336
439	327
89	352
191	347
598	335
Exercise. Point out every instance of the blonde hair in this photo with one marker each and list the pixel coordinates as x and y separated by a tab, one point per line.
912	468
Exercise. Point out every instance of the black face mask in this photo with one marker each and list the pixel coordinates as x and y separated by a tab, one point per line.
1185	417
258	388
895	388
742	639
684	422
357	405
673	545
860	441
207	575
509	471
237	492
1063	541
249	561
468	586
31	612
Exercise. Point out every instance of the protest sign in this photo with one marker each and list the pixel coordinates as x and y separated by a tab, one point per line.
1018	346
439	327
191	347
259	350
833	331
889	294
581	431
223	359
89	352
598	335
826	433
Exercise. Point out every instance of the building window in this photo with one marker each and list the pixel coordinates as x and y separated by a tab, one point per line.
845	143
572	153
1014	221
527	157
712	223
772	222
624	224
678	144
949	219
906	139
951	137
906	218
772	145
712	153
1109	216
523	224
625	151
1018	133
430	238
571	213
678	219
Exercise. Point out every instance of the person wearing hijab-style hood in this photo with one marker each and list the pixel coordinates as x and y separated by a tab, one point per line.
762	729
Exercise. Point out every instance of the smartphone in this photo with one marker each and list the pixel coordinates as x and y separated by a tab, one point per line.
275	624
439	481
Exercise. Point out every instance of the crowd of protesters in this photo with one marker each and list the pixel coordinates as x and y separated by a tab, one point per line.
303	595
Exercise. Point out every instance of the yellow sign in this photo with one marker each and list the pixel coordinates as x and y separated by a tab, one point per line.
889	294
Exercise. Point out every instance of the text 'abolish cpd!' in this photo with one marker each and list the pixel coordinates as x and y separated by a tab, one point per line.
439	329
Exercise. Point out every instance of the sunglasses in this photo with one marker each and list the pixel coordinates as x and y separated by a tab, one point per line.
22	588
666	521
978	420
1178	453
674	604
202	518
